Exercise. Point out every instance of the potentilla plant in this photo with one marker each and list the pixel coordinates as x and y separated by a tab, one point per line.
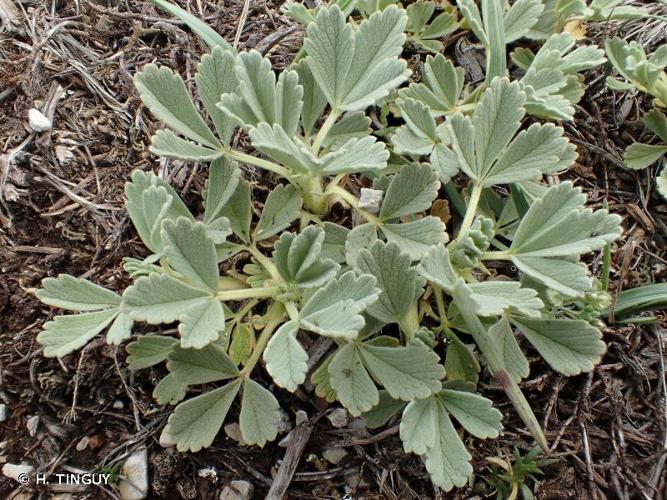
412	311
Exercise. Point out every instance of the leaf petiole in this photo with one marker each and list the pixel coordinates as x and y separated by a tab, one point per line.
249	293
324	131
273	317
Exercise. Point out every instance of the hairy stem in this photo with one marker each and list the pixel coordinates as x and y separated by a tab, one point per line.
249	293
274	317
313	196
497	255
475	195
258	162
324	131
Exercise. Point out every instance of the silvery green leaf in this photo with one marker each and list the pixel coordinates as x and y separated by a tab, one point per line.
298	11
359	238
120	329
520	18
260	99
201	366
407	372
443	161
356	155
166	143
277	145
149	350
223	179
355	69
320	378
440	87
398	281
201	323
419	13
282	206
260	414
239	210
164	93
195	422
508	350
494	298
150	200
427	430
191	252
76	294
169	391
203	30
661	183
437	268
656	122
65	334
353	385
286	359
638	155
314	100
216	76
475	413
410	191
460	362
380	414
334	310
333	246
298	260
227	250
569	346
218	230
558	225
355	125
472	15
418	136
160	298
569	278
416	238
243	340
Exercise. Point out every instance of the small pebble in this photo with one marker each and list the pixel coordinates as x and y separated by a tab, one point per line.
338	418
301	417
334	455
37	121
208	473
284	425
83	443
370	199
17	472
118	405
134	485
236	490
3	412
32	424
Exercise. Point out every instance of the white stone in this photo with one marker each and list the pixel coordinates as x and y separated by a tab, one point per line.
334	455
118	405
32	424
17	472
338	418
208	473
37	121
134	472
301	417
3	412
371	199
236	490
83	443
284	425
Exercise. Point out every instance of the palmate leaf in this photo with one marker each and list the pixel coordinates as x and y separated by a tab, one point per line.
166	143
282	206
569	346
355	70
638	155
260	414
195	423
76	294
260	98
416	238
510	354
298	260
65	334
191	252
495	297
400	284
335	309
165	94
410	191
216	76
169	391
426	429
419	135
520	18
351	382
437	268
223	179
201	323
358	238
201	366
238	210
484	147
149	350
286	359
150	200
